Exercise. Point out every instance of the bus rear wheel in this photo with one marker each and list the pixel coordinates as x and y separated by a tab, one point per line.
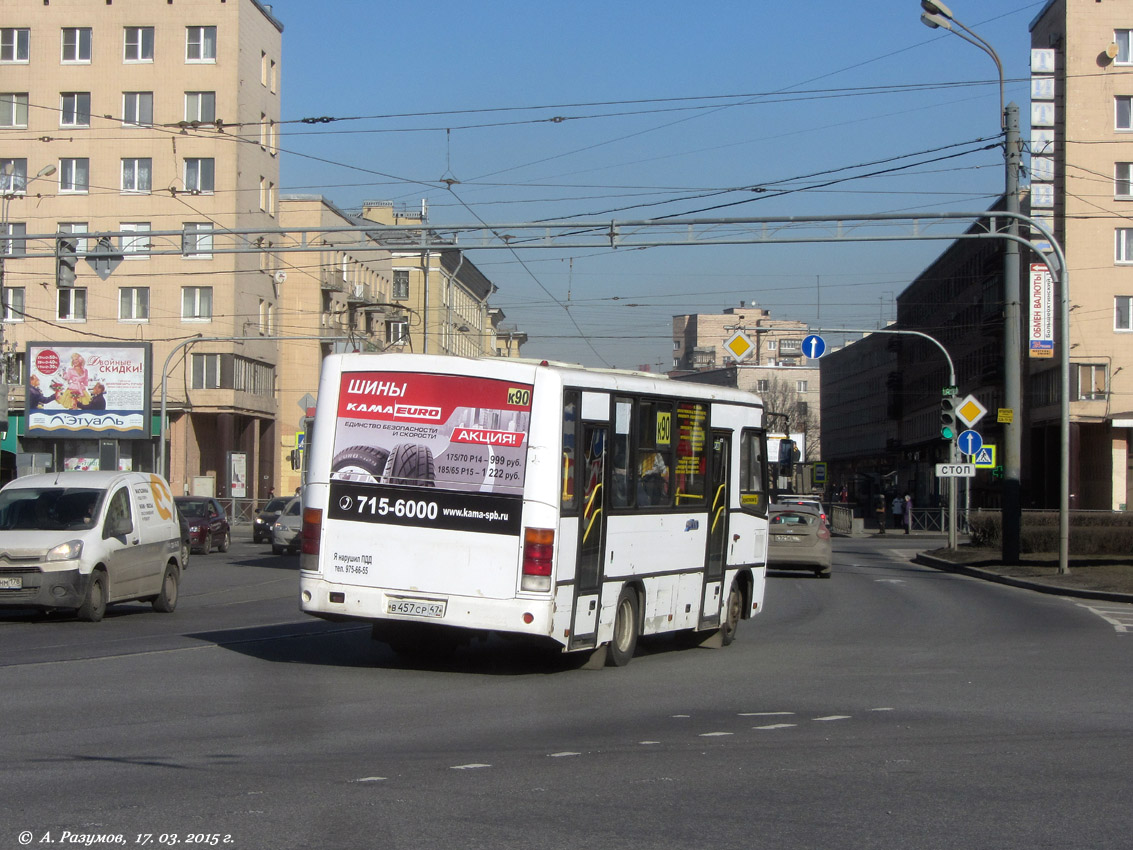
624	642
732	614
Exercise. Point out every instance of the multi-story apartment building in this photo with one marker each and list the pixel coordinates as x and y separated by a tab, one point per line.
152	125
771	364
1082	182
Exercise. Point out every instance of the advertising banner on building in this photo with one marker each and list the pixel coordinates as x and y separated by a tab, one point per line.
89	389
1040	328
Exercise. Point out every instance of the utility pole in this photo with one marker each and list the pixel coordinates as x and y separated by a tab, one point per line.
1012	348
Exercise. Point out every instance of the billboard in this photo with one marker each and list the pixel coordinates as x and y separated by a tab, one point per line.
89	389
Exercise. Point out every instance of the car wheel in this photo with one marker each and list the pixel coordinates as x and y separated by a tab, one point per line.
94	603
276	550
624	642
166	601
225	542
732	614
206	547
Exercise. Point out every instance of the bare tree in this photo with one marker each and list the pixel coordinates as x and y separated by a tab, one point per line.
781	397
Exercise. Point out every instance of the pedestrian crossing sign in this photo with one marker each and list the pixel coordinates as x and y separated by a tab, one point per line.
985	457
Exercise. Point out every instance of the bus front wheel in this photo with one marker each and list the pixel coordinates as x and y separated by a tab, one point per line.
624	641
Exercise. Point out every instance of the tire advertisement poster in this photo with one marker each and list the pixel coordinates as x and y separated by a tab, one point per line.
442	451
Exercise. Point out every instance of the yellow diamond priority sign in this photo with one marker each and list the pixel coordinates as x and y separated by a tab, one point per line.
739	345
970	411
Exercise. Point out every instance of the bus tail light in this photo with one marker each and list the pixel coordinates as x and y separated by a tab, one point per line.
538	554
310	535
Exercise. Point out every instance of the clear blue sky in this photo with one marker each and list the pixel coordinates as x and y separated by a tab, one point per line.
666	101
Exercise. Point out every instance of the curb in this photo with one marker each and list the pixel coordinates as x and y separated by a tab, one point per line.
962	569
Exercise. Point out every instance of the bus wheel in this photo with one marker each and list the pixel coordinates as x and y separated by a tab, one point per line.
624	642
732	614
359	463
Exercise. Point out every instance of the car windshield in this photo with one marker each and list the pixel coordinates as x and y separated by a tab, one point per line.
48	508
275	506
193	508
294	507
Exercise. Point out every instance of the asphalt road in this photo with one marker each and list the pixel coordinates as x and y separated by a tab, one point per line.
891	706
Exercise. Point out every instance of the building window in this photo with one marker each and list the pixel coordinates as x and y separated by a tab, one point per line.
200	44
13	303
76	44
74	109
137	175
1124	249
135	247
133	304
200	175
800	386
196	303
138	44
1123	313
271	80
801	409
397	332
14	110
772	344
74	176
1124	109
15	44
1091	382
72	304
12	239
1123	179
206	371
13	176
762	385
137	108
76	227
263	69
196	241
200	106
1124	55
400	284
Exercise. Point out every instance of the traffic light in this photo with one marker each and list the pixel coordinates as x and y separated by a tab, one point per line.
948	418
997	472
66	255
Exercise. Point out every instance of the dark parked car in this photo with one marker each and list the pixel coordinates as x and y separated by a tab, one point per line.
186	538
265	519
208	523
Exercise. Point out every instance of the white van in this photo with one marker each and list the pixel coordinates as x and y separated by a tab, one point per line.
80	540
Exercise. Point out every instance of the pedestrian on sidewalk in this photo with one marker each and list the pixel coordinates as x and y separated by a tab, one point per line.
907	514
880	509
898	509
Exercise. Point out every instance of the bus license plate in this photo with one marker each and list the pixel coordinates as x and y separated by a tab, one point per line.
11	583
416	607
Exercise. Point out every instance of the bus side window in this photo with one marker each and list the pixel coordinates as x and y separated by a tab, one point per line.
620	497
753	473
654	452
569	500
691	467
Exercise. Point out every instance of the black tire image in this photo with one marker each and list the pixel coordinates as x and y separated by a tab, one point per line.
410	463
359	463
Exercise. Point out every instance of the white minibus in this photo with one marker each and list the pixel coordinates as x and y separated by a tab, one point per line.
448	498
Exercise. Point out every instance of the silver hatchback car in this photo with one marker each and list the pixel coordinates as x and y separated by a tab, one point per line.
799	540
287	530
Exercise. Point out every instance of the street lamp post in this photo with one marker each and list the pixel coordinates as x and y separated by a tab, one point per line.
10	193
936	14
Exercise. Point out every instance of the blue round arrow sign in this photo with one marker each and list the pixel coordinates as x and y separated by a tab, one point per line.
814	346
970	442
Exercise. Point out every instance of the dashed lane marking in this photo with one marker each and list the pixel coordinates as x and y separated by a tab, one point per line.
468	766
832	717
776	726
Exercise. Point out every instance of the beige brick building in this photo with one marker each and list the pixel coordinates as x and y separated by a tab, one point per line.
1082	181
159	120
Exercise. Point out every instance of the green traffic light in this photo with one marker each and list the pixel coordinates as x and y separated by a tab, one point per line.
947	433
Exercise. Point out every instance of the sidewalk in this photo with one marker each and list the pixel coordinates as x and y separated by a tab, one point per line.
1105	578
